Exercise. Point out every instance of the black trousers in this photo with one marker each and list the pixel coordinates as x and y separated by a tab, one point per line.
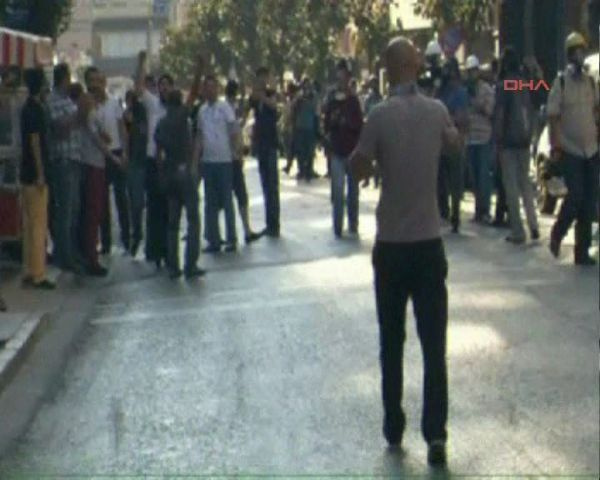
183	193
157	213
581	176
117	177
269	178
501	206
417	271
451	184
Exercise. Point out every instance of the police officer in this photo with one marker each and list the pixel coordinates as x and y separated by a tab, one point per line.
573	109
431	79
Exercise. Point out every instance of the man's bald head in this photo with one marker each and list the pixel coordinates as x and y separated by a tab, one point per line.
403	61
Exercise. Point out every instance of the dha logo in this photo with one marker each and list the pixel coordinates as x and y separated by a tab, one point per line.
520	85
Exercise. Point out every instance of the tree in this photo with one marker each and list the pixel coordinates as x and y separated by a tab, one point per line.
295	35
40	17
472	15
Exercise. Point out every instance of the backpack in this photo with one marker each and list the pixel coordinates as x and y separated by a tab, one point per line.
518	120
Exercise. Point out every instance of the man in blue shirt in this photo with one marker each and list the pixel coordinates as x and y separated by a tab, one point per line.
451	177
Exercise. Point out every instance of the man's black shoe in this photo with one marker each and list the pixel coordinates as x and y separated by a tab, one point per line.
175	274
44	285
230	248
212	249
515	240
436	453
499	223
194	273
585	261
97	271
273	233
252	237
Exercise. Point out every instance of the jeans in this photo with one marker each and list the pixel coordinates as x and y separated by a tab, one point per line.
417	271
35	227
581	176
117	177
95	203
183	193
68	190
136	180
515	174
480	159
218	191
451	183
340	175
269	178
157	214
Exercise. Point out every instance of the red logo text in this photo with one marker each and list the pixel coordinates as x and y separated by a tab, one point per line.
520	85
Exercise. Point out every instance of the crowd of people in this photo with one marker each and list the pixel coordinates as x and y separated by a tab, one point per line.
80	144
436	130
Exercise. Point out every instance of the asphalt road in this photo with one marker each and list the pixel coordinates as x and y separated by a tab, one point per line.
269	366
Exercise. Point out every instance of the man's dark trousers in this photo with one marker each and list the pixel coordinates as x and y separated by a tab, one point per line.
269	177
117	177
183	193
581	177
157	213
417	271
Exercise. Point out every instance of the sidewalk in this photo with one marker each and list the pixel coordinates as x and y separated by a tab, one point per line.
28	313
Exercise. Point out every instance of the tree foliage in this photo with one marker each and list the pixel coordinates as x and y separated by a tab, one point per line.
295	35
41	17
472	15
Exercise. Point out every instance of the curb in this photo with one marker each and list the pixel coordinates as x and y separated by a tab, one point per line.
17	349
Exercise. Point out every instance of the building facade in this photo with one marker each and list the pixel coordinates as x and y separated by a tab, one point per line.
111	33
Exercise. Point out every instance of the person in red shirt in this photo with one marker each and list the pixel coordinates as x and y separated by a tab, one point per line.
343	124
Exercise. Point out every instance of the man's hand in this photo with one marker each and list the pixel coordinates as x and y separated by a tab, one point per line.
361	166
41	181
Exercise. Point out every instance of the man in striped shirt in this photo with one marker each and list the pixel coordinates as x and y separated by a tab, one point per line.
66	183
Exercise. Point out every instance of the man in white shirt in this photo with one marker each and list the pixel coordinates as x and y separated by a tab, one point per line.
157	215
216	140
110	115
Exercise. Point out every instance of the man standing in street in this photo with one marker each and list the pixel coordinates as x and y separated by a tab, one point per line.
452	170
343	123
33	180
265	143
110	114
174	142
65	127
218	140
513	135
95	153
405	135
573	111
157	215
239	179
479	140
